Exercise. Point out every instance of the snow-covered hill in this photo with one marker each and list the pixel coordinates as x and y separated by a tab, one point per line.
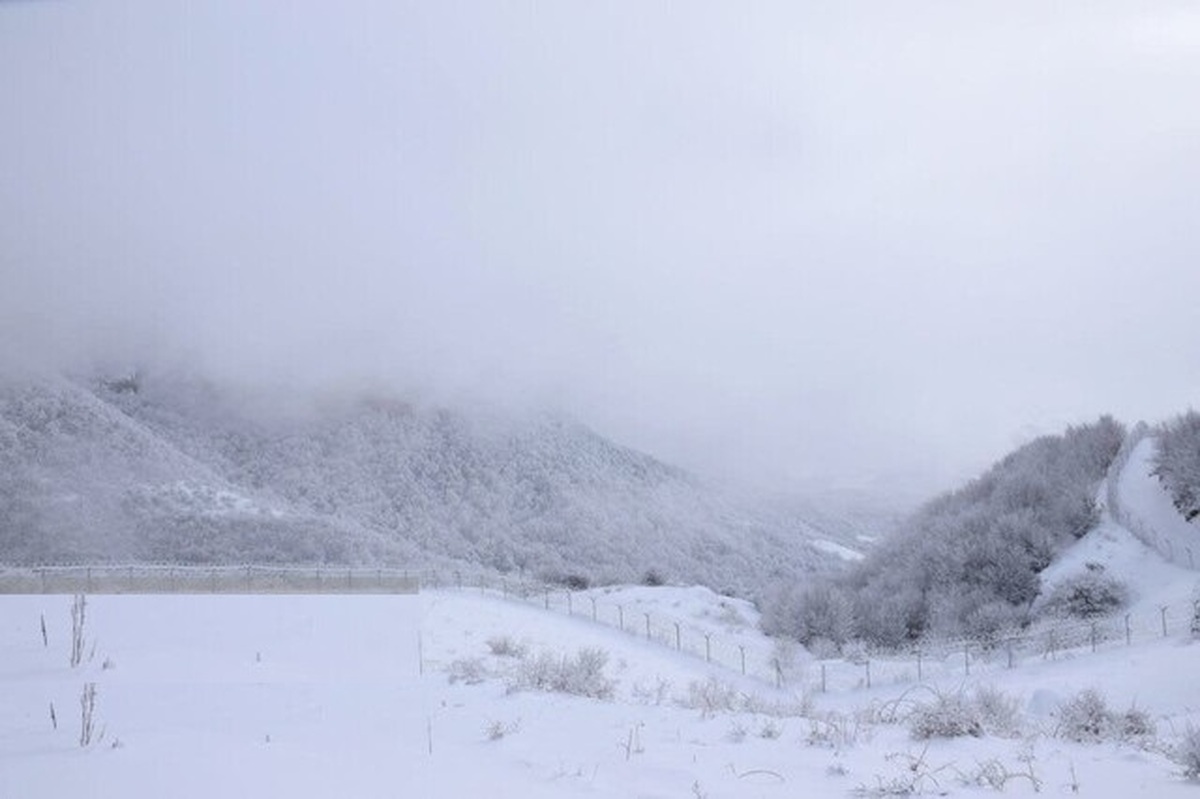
181	470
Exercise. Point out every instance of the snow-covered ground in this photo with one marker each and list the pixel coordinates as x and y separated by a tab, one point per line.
389	696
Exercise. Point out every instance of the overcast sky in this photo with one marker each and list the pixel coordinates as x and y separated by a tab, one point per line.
790	242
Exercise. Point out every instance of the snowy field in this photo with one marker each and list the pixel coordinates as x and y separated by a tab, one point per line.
397	696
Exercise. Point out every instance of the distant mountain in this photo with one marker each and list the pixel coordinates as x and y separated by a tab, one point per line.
183	470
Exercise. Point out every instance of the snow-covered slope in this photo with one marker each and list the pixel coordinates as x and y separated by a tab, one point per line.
415	696
1144	506
181	470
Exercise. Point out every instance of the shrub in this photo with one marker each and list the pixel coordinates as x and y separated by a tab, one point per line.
987	711
1084	718
712	696
1187	753
948	716
836	730
1135	725
999	713
581	675
504	646
495	730
1088	595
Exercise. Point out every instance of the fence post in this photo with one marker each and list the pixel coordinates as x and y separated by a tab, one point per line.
778	673
1128	632
621	616
708	647
570	605
742	649
1010	653
89	579
458	579
967	657
920	676
547	599
1093	636
593	599
647	615
678	640
867	665
824	689
1163	610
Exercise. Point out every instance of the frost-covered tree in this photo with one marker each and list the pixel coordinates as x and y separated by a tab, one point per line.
967	563
1177	462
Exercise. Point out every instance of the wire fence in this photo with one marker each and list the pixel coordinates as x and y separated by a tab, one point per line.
735	646
789	667
175	579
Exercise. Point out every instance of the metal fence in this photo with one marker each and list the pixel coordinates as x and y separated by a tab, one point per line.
174	579
788	667
785	667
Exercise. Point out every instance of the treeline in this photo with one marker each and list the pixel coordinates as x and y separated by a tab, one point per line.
968	562
1177	463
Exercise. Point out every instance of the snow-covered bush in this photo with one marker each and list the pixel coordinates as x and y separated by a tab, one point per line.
837	731
954	715
471	671
711	697
1086	718
1187	753
496	730
947	716
581	675
1088	595
999	712
823	611
504	646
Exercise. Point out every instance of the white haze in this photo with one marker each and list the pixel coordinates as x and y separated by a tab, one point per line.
792	243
